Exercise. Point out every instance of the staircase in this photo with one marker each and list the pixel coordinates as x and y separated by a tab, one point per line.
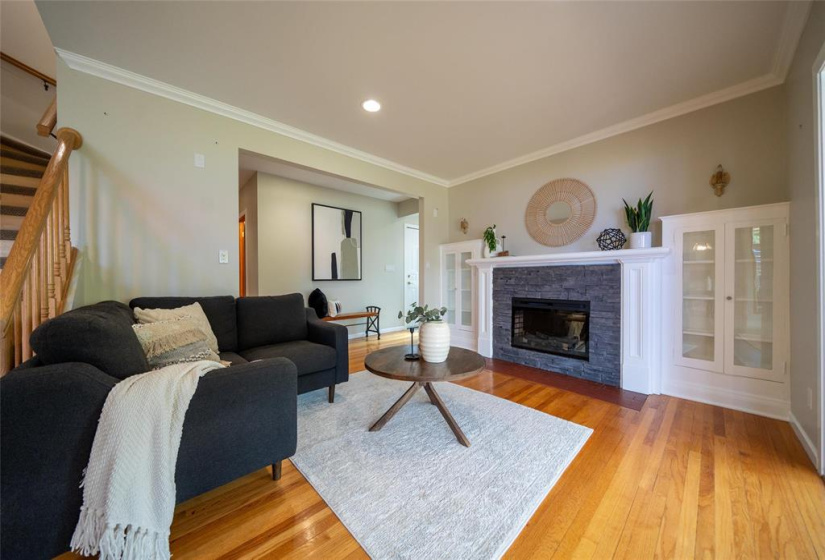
38	259
21	169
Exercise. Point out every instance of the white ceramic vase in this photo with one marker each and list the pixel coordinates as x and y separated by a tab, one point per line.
487	253
641	240
434	341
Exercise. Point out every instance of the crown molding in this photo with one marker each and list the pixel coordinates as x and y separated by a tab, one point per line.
727	94
124	77
793	25
796	17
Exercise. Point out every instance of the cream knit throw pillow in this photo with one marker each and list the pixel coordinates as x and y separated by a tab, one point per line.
173	342
195	311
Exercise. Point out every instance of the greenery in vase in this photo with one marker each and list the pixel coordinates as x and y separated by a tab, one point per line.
490	238
418	314
638	218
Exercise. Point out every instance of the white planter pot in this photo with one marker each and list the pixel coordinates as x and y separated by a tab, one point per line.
434	341
641	240
487	253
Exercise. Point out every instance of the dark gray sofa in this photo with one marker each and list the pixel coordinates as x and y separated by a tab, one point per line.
241	419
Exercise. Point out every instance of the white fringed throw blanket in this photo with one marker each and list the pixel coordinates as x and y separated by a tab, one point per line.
129	485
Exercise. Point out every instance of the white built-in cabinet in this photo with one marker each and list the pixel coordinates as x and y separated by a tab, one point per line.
726	307
458	291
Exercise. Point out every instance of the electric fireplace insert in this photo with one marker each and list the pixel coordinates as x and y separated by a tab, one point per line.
552	326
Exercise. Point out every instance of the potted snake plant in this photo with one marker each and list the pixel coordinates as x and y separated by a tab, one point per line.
638	220
433	333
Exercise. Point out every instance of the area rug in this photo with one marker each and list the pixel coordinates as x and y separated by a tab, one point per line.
411	490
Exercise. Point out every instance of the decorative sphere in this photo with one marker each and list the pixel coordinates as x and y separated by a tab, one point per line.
611	239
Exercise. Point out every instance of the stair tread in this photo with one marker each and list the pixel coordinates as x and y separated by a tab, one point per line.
19	156
19	180
17	189
20	172
8	234
9	199
9	210
19	146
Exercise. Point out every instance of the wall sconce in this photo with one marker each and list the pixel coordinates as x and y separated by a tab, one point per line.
719	180
464	225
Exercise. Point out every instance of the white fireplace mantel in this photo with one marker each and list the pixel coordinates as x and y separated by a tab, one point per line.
641	304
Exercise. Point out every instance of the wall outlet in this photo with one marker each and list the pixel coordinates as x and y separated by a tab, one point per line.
200	160
389	268
435	212
223	256
810	399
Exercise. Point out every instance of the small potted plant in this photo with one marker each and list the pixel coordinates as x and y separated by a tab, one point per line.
638	219
492	244
433	333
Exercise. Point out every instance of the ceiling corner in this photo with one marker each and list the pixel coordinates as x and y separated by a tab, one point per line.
795	19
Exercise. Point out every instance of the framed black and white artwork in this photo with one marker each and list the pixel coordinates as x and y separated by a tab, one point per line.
336	243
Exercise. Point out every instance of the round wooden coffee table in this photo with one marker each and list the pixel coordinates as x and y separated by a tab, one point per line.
390	363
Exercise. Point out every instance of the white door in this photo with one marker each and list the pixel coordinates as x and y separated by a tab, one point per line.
410	265
755	299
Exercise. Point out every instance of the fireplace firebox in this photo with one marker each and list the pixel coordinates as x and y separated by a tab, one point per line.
552	326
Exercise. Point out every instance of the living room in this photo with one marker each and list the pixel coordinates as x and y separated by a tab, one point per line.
412	280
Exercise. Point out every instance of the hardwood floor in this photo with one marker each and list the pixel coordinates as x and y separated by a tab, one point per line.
676	479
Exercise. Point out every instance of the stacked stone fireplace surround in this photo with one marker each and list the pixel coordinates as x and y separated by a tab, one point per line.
601	285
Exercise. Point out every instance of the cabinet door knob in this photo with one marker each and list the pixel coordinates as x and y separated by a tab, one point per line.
729	298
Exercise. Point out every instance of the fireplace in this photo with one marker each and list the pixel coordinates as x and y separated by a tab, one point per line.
552	326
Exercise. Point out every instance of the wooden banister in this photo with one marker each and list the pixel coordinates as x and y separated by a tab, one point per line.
37	273
48	120
28	69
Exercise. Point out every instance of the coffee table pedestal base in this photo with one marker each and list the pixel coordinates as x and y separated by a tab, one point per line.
435	398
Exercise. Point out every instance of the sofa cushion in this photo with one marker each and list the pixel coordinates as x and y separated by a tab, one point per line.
100	335
270	320
220	310
233	358
308	357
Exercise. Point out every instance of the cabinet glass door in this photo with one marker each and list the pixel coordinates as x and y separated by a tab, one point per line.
751	321
450	287
466	290
700	336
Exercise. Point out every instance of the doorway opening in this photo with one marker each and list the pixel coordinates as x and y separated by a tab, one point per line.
242	253
819	91
411	261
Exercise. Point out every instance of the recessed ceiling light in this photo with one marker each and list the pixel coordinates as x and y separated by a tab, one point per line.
371	106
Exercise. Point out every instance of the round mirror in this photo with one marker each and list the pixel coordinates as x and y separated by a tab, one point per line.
558	212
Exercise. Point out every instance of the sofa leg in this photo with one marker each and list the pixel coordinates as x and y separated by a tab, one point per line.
332	393
276	470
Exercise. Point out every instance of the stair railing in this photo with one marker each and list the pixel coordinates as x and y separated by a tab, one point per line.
35	280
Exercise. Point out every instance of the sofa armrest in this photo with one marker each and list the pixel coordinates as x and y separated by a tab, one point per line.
330	334
48	424
241	419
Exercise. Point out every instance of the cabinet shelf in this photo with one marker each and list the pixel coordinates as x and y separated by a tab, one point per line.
698	333
705	298
698	262
754	261
753	338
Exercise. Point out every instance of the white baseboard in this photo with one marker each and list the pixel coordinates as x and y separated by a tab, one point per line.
806	441
750	403
361	334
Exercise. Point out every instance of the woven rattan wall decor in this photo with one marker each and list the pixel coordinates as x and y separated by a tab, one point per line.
560	212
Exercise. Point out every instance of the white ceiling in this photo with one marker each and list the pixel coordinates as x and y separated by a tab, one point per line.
467	88
249	163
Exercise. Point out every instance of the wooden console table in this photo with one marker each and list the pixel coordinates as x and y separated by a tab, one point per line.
372	323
